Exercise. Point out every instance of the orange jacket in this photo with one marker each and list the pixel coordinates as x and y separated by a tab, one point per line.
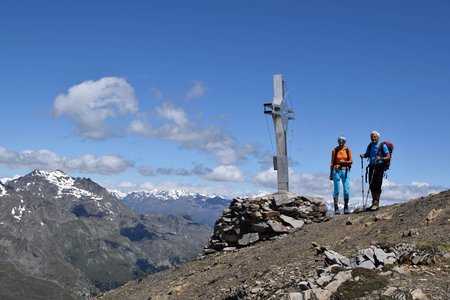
341	155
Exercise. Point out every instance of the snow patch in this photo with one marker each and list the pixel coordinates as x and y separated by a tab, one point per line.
65	184
6	179
17	212
119	194
2	190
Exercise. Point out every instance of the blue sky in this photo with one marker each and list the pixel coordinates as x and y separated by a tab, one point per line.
169	94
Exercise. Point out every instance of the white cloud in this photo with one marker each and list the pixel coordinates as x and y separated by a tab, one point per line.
313	184
47	160
179	128
90	103
6	155
394	192
103	165
146	171
420	184
266	178
172	171
173	114
141	128
28	159
127	185
221	173
149	171
301	183
225	173
224	146
197	90
148	186
167	186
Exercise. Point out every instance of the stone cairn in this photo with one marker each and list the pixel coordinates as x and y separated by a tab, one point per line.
248	221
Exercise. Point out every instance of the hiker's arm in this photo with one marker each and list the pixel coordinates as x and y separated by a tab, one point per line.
387	156
350	157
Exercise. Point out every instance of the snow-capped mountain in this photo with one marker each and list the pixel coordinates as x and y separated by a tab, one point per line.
64	184
69	237
117	193
201	208
74	194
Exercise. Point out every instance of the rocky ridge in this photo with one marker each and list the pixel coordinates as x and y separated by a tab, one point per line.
398	252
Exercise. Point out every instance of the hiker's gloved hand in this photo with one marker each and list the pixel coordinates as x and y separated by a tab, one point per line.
331	177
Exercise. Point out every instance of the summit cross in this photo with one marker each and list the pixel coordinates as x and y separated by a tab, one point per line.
281	114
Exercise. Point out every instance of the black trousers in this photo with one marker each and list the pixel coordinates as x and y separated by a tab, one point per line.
376	173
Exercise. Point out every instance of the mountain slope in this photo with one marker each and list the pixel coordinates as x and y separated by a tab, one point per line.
289	265
77	238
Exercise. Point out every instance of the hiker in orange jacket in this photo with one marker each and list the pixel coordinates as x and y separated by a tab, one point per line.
341	162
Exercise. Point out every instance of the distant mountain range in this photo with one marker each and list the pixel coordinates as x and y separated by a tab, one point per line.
68	238
200	208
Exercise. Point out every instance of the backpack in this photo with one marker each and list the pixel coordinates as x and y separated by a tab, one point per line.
336	150
390	147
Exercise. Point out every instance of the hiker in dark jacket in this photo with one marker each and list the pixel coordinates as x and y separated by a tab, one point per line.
341	161
378	154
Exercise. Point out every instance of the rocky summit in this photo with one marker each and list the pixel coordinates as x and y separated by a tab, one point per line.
69	238
400	251
248	221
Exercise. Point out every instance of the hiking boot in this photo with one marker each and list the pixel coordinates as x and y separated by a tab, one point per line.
346	210
336	205
373	207
375	202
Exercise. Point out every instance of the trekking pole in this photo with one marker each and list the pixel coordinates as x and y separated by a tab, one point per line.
371	180
362	182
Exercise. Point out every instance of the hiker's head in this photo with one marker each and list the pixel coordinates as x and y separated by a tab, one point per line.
374	136
341	140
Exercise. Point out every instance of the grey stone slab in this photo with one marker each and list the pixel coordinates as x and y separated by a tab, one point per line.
367	265
248	238
296	224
